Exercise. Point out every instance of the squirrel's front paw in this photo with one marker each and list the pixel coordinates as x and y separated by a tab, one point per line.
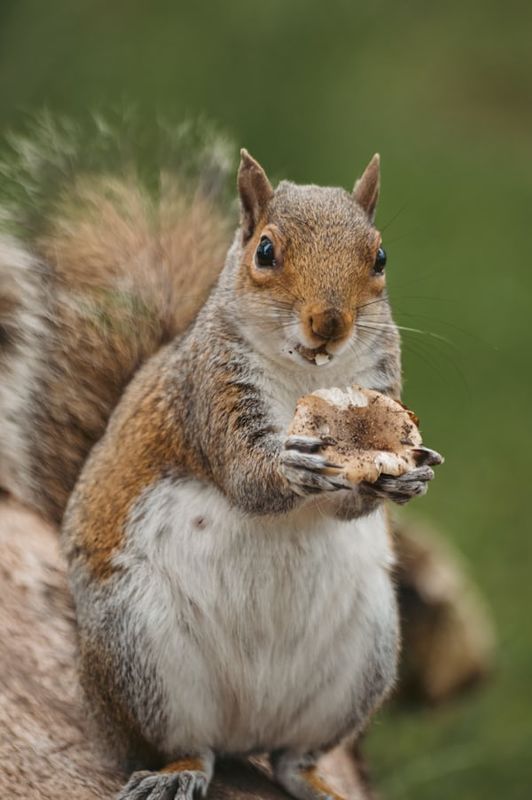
413	483
306	470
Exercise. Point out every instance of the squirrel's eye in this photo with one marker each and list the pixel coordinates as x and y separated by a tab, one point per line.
380	261
265	255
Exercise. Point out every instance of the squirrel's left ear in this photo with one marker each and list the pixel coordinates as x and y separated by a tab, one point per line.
366	190
255	192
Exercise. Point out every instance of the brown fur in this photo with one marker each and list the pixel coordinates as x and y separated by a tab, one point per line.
8	309
46	750
123	275
147	442
110	235
184	764
301	243
158	428
134	463
318	786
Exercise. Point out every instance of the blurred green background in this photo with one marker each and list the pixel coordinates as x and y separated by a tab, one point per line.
444	92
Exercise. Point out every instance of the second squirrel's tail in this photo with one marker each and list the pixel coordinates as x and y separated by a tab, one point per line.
106	253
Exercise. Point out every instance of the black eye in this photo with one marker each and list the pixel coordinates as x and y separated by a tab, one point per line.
380	261
265	255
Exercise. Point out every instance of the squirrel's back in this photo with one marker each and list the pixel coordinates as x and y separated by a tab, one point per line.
102	260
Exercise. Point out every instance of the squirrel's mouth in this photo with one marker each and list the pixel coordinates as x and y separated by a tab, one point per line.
314	355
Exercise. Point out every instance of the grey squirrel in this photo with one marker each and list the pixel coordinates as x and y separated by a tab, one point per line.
231	595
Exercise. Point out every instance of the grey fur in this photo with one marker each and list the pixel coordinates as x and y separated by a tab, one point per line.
212	384
185	785
222	396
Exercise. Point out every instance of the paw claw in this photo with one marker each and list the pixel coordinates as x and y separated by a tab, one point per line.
306	470
424	455
305	444
402	488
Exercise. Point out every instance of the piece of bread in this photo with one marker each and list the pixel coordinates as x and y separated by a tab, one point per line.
366	434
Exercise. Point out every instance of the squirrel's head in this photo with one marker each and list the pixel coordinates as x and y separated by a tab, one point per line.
309	260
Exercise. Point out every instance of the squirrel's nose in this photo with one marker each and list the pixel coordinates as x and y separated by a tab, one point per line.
329	323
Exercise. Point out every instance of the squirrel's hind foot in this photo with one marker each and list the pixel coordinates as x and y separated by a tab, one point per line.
186	779
298	775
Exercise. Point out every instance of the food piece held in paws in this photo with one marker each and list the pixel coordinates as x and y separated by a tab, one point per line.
364	432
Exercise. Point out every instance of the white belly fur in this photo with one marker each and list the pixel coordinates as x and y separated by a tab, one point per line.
263	629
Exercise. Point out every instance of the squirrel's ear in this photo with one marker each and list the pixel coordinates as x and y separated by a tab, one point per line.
366	191
255	192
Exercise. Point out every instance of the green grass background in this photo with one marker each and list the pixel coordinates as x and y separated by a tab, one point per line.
444	92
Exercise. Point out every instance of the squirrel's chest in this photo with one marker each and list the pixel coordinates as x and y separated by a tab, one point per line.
254	614
201	543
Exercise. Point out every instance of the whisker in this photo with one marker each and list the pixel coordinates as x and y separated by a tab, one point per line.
372	302
463	331
392	220
420	354
421	349
408	329
433	355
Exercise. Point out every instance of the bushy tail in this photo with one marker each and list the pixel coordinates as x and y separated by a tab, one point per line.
109	245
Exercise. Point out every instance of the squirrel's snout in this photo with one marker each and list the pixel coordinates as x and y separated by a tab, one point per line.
327	323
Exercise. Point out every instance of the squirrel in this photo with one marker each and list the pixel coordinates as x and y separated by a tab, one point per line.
232	596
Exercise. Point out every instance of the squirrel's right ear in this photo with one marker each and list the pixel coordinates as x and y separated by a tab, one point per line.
255	192
366	191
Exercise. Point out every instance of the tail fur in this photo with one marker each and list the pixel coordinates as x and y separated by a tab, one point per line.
98	268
